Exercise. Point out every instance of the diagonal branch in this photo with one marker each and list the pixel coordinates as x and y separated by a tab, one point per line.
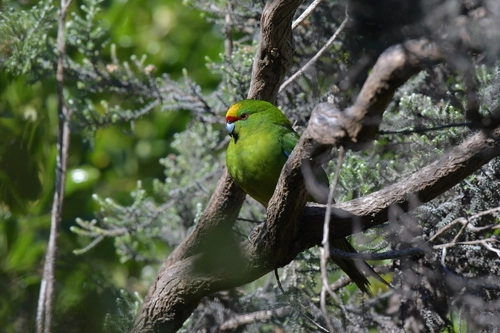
182	286
305	14
421	187
209	260
273	59
359	124
274	56
328	128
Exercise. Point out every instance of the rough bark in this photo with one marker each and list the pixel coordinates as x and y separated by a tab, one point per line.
273	58
422	186
202	265
180	287
274	55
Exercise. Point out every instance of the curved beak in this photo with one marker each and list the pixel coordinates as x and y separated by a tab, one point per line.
230	128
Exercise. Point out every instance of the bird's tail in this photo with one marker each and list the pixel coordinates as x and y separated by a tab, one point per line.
354	267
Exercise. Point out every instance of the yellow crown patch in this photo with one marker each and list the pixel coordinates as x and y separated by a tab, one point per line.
233	110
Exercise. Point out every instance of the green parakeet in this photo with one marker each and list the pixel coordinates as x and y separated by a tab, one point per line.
262	138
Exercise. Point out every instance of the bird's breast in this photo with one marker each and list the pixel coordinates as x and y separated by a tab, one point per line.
255	163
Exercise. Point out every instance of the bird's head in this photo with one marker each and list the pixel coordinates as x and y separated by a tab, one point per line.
237	112
248	112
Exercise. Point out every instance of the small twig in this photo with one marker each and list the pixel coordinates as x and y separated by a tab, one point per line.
491	248
377	256
249	318
343	281
459	233
486	212
467	225
324	311
461	220
196	93
316	56
96	241
443	256
465	222
325	243
325	248
483	242
305	14
46	296
425	129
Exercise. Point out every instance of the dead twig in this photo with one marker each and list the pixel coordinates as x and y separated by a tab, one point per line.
316	56
46	296
305	14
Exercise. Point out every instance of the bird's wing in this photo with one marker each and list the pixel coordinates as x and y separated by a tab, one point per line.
288	141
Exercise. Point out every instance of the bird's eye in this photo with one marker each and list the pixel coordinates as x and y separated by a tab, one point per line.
244	116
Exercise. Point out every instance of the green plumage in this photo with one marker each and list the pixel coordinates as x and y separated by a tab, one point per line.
262	138
259	148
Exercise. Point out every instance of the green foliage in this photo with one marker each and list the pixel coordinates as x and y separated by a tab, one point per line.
149	92
103	90
235	72
141	229
488	79
127	308
24	37
20	250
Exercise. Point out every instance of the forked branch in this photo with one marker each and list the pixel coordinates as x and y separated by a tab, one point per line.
198	267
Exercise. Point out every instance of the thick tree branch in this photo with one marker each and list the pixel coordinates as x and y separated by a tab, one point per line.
421	187
329	128
274	55
182	286
210	260
272	61
358	125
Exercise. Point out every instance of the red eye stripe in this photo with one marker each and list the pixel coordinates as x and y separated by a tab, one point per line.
232	119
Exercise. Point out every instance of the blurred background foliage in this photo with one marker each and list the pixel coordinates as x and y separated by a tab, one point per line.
109	162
